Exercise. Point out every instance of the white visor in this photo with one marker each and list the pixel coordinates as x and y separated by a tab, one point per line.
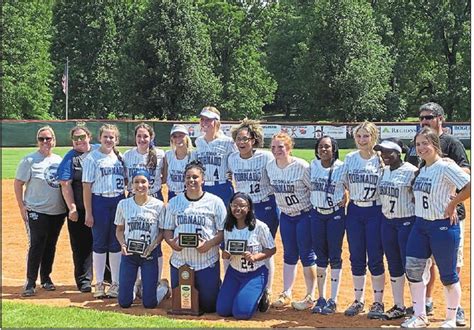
388	145
209	114
179	129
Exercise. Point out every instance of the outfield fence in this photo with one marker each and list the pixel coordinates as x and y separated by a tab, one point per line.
21	133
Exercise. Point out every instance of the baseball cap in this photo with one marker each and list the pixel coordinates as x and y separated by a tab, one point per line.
141	172
209	114
389	145
435	108
178	128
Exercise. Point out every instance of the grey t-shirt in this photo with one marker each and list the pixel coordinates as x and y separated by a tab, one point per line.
42	192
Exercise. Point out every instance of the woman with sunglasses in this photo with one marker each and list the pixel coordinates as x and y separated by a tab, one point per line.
70	178
246	277
176	159
328	225
249	171
42	209
212	150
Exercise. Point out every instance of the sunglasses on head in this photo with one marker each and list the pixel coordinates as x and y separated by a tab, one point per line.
79	137
428	117
44	139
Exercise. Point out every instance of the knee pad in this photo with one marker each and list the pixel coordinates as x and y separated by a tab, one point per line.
418	269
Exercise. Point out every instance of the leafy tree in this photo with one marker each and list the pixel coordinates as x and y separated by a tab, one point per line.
166	64
90	34
26	63
237	30
346	69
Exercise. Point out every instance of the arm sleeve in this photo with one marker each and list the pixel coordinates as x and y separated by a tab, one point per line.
65	167
221	214
266	238
23	172
161	218
88	173
456	176
168	223
119	215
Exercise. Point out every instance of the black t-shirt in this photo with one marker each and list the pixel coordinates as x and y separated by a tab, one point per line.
452	148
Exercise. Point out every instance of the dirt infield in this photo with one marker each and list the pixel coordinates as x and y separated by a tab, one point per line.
14	268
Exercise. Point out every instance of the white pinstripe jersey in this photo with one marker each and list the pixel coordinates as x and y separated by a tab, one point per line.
434	187
292	185
396	193
134	161
361	176
214	156
141	222
175	176
205	216
323	196
258	239
250	175
105	172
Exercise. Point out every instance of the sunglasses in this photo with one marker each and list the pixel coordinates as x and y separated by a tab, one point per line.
79	137
244	139
428	117
44	139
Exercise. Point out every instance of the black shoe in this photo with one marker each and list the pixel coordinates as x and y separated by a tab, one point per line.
28	291
264	303
48	286
85	288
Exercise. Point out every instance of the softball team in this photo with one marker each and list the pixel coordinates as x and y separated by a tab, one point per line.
290	178
212	150
248	167
436	230
328	223
176	159
138	218
198	212
103	180
361	173
246	277
42	209
398	216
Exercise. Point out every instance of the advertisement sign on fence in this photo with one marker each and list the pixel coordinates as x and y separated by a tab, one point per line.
462	131
401	132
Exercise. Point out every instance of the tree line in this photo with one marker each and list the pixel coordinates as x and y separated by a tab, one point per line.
338	60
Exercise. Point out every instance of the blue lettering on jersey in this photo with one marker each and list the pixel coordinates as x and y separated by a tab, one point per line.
422	184
363	178
248	176
111	170
210	158
139	223
321	185
191	219
177	177
389	191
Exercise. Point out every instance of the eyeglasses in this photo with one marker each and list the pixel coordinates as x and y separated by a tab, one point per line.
79	137
240	207
44	139
428	117
244	139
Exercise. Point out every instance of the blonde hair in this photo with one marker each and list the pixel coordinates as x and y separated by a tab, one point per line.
254	129
187	140
218	122
47	128
371	129
287	140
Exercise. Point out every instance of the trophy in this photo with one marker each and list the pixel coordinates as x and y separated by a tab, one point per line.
236	246
185	297
187	240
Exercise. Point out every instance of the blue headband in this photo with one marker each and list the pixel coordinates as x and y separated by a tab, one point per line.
142	172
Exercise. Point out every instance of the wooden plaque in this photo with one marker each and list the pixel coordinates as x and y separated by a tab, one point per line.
185	297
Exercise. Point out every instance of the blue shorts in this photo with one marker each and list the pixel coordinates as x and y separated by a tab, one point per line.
268	212
395	234
364	238
327	234
241	292
295	234
222	190
207	282
437	238
103	230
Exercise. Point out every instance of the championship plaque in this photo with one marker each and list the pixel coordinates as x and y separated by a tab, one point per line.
187	240
236	246
136	246
185	297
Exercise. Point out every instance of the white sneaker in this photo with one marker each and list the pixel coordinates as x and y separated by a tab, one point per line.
416	322
137	290
449	324
306	303
282	301
113	290
163	291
